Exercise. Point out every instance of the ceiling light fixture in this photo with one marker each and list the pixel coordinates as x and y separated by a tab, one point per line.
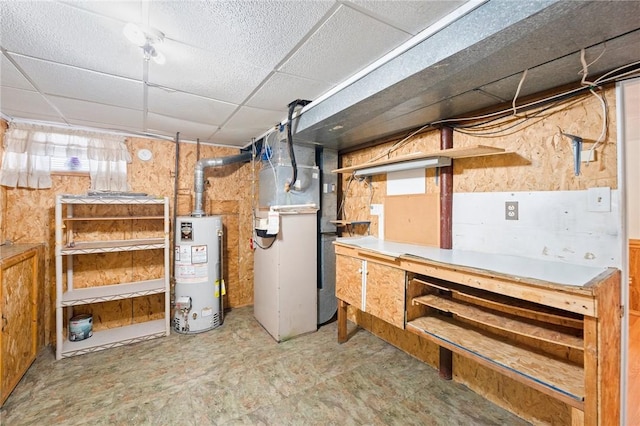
146	39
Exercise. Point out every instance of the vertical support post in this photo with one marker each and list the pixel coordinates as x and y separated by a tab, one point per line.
446	193
445	366
342	321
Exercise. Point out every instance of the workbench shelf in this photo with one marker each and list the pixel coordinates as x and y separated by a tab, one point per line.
503	340
554	327
106	226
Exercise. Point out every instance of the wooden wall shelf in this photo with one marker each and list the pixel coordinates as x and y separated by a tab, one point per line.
453	153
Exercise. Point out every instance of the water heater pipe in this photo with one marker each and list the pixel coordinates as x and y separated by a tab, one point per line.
199	175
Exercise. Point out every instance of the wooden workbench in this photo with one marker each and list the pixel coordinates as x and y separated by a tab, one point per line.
552	326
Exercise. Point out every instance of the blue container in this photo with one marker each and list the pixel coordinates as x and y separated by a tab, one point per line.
80	327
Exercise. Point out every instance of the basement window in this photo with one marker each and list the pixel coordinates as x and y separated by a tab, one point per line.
65	165
34	152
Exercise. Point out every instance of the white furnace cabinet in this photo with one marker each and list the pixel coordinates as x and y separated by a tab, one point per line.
285	283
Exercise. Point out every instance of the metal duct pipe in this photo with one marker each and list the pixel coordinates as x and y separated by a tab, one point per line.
199	175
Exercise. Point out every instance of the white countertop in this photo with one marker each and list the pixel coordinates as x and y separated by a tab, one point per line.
554	272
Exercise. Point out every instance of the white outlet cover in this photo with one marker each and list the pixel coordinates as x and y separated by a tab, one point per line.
599	199
375	209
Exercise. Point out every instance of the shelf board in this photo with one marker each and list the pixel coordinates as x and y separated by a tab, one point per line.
105	293
85	199
350	222
466	152
500	322
83	219
507	305
111	246
560	379
114	337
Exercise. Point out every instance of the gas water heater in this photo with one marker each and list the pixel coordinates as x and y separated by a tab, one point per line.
198	284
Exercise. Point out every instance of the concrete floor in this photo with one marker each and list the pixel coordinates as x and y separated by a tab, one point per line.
237	374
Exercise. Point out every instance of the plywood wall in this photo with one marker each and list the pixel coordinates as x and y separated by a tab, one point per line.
31	213
539	159
3	190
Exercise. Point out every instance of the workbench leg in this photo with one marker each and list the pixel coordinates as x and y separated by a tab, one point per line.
342	321
445	368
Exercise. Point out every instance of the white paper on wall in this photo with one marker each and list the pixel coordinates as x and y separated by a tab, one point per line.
406	182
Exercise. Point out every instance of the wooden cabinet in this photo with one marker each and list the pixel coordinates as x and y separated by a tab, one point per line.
349	279
552	326
19	311
372	286
111	225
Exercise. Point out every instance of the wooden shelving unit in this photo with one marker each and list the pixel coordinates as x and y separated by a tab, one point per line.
453	153
67	246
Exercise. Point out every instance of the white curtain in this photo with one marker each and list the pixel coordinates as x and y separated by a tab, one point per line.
29	147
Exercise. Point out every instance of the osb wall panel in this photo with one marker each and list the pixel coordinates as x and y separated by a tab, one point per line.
359	194
543	158
3	190
539	159
31	214
228	193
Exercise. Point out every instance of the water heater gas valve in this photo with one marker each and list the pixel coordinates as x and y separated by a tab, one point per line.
183	303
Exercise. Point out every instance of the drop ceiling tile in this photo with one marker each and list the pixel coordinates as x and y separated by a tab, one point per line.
255	32
234	137
78	83
98	113
25	101
410	16
125	11
119	128
188	107
68	35
10	76
255	118
281	89
345	44
189	130
197	71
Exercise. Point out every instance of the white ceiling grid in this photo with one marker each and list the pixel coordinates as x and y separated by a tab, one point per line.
232	66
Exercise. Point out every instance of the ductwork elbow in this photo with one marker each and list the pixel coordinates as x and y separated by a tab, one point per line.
198	176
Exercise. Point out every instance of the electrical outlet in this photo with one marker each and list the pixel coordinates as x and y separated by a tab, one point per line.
511	210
